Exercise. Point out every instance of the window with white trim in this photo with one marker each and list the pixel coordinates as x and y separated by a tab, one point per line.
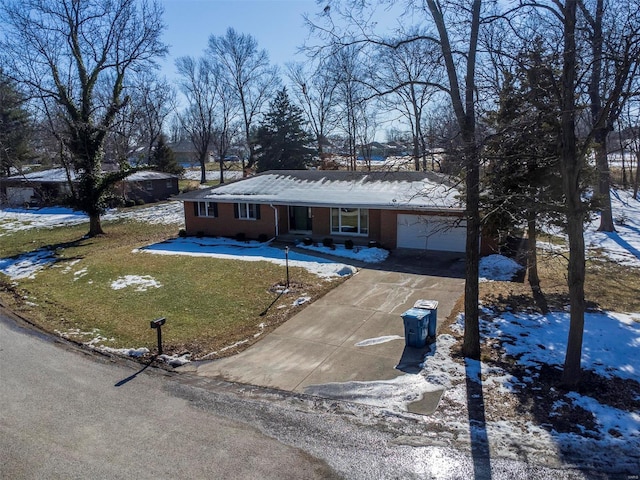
247	211
350	220
206	209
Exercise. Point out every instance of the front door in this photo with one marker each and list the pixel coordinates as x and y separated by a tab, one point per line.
300	219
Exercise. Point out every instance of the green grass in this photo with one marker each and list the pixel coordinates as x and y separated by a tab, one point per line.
209	303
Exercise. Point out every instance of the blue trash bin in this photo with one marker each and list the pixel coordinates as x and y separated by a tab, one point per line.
416	322
432	307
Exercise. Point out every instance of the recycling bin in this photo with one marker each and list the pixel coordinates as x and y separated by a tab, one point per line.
416	322
432	307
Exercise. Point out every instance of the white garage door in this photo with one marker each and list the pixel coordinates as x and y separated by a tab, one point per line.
431	233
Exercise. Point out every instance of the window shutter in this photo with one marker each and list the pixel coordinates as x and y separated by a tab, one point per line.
195	209
215	209
236	210
257	211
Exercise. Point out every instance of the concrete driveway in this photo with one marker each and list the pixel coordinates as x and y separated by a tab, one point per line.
354	333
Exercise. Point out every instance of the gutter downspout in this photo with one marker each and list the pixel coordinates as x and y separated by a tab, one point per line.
275	212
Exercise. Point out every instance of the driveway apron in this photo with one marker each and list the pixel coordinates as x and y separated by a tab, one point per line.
355	333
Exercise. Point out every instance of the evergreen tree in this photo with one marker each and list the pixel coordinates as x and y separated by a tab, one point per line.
524	186
14	127
163	158
282	143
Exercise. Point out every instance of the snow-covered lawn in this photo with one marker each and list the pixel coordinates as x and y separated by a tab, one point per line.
622	246
14	219
249	252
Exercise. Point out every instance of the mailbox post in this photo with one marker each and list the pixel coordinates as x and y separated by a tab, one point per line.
157	324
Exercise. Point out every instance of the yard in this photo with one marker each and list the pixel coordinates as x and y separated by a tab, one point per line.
104	290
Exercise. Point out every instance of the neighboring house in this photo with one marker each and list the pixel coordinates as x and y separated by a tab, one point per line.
148	186
50	187
186	154
46	187
417	210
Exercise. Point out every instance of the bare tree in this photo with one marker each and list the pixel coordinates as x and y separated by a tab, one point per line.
225	128
153	99
61	50
347	71
199	83
315	92
613	35
409	72
462	95
253	78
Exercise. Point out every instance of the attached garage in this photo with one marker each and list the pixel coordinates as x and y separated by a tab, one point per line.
428	232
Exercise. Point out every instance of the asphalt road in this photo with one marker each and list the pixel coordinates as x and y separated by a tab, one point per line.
64	415
69	414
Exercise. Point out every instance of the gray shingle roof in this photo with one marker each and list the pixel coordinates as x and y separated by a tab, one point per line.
384	190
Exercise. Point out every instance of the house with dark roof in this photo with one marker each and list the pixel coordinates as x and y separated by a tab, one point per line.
417	210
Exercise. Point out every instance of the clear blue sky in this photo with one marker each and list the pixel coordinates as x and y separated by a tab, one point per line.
277	25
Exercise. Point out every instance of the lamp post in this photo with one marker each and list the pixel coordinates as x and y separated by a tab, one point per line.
286	261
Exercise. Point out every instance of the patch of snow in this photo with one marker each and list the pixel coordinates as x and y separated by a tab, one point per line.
27	264
379	340
611	341
498	268
363	254
176	360
14	219
621	246
80	273
166	213
141	282
300	301
248	251
127	352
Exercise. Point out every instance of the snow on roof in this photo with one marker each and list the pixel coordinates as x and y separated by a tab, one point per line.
59	175
385	190
54	175
149	175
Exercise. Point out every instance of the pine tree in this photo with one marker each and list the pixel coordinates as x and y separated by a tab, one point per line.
523	179
14	127
163	158
282	143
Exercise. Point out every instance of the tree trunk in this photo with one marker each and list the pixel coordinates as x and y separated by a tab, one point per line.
604	183
203	168
532	263
221	161
571	165
636	182
471	342
95	226
600	125
466	118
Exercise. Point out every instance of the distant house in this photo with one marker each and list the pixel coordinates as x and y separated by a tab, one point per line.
416	210
186	154
50	187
